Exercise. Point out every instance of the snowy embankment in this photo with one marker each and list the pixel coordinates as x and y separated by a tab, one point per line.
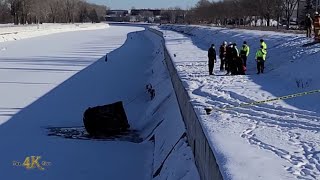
10	32
55	78
272	140
173	158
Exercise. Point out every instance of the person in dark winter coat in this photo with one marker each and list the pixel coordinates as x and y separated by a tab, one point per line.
309	23
236	61
229	58
212	56
223	52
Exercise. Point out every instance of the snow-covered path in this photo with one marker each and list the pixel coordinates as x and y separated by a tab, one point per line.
48	82
274	140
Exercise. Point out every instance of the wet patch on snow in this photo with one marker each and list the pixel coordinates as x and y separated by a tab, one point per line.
80	133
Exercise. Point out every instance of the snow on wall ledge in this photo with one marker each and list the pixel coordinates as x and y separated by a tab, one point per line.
12	33
203	154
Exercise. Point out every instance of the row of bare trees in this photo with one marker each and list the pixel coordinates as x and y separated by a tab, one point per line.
50	11
243	12
173	15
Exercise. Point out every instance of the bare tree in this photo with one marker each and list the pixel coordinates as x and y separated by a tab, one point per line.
83	11
53	10
38	11
242	12
278	10
15	6
289	7
101	11
202	11
69	10
4	12
250	10
267	9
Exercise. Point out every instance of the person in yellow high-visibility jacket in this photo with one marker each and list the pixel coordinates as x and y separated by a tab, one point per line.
261	58
263	44
244	53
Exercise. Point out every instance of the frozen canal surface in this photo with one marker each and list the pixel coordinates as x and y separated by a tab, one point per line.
49	81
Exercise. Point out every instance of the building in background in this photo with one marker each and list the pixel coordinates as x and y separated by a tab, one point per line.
117	15
147	15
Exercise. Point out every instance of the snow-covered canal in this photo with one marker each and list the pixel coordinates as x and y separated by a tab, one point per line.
49	81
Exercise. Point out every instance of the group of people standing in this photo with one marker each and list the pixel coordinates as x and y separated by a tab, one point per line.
313	24
234	61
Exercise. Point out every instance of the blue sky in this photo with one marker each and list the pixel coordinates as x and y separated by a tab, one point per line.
127	4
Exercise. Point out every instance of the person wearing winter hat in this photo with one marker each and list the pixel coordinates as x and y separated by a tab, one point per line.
235	60
244	53
316	25
308	24
228	59
222	55
212	58
261	58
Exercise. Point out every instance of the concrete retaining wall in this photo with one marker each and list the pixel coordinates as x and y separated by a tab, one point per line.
203	154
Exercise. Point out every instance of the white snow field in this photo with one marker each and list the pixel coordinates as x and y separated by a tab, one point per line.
272	140
10	32
49	81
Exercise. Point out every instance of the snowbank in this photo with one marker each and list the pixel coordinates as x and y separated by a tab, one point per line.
11	32
273	140
204	157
